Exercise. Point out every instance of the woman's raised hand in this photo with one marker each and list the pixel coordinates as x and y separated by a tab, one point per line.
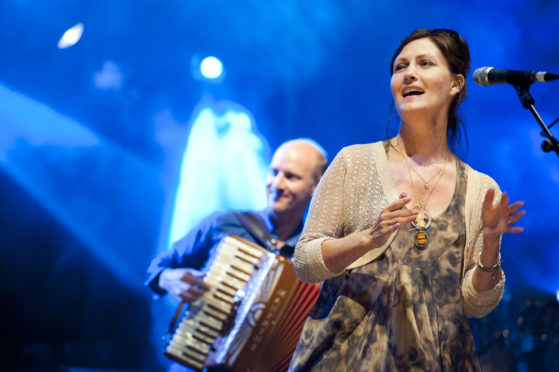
499	219
390	220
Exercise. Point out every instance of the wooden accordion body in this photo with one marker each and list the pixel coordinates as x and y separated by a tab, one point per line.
269	305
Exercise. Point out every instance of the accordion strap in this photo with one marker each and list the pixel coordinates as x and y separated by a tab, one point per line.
255	226
258	229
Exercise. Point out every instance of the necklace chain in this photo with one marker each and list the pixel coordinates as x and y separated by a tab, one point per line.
425	183
423	219
422	204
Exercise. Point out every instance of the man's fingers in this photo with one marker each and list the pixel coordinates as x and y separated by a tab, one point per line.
191	293
192	280
197	290
188	297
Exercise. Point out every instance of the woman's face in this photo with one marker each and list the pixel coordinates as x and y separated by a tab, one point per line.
422	83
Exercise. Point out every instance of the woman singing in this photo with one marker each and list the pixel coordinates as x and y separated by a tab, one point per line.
405	235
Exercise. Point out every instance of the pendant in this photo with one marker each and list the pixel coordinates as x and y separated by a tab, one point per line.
421	239
420	225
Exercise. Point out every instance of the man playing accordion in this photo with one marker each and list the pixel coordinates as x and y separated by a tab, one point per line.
294	173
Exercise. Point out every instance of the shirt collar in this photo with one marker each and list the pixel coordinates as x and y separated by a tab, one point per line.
292	240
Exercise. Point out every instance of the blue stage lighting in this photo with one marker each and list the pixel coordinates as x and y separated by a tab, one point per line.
86	183
211	68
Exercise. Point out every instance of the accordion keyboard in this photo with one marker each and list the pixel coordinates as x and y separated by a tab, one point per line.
227	271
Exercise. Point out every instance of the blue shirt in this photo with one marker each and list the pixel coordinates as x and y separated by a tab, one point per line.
193	250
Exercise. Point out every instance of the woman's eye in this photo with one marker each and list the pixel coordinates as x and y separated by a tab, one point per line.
426	63
399	67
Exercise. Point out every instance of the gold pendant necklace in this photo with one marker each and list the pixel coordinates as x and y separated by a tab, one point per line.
423	220
421	224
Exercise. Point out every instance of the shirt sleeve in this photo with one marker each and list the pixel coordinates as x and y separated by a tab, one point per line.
323	222
191	251
479	304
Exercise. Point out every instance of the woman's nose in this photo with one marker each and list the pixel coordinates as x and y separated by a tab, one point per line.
410	74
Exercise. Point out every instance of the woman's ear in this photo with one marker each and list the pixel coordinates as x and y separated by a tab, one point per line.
457	84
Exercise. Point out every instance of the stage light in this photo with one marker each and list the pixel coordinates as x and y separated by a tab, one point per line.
71	36
211	68
234	169
558	295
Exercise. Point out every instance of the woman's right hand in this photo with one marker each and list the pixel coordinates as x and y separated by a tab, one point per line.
339	253
390	220
183	284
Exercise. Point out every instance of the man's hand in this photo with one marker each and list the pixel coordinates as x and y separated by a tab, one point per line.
183	284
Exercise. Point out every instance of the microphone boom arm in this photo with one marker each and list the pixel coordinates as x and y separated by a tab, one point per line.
523	90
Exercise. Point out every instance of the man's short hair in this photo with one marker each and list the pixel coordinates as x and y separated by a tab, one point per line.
321	161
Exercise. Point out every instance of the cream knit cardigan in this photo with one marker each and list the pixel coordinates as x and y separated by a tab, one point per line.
351	195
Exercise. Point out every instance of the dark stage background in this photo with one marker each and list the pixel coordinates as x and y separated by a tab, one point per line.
93	138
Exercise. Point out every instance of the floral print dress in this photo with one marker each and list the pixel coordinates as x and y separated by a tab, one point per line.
400	312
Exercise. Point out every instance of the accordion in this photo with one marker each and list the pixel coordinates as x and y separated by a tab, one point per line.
252	317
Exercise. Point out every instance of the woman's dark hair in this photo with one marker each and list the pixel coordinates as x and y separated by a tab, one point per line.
457	54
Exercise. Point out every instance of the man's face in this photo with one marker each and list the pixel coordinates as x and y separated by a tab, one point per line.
290	182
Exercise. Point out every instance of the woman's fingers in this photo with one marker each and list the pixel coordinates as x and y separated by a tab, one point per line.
390	228
401	217
398	204
381	232
395	215
400	213
503	207
515	206
514	229
515	217
501	217
504	200
396	208
488	201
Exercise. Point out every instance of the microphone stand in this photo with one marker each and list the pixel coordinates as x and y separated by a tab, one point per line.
523	90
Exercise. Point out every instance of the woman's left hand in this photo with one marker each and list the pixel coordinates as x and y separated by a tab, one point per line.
499	219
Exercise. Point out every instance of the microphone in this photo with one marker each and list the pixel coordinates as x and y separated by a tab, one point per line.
490	75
